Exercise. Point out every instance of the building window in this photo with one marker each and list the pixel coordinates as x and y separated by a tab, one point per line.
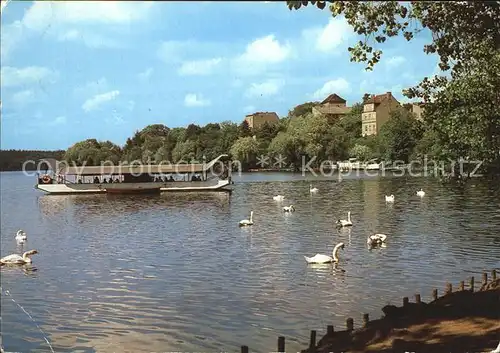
366	128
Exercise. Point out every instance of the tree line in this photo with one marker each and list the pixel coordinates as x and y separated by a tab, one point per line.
300	134
13	160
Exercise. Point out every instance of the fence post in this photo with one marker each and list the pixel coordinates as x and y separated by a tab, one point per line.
281	344
485	278
244	349
494	275
312	341
472	284
449	288
417	298
349	324
405	301
434	294
366	320
329	330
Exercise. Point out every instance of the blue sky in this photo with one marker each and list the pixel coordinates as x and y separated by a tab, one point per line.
77	70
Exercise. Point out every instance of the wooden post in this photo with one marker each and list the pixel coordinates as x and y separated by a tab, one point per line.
434	294
312	341
244	349
494	275
472	284
461	286
349	324
417	298
449	288
329	330
366	320
405	301
485	278
281	344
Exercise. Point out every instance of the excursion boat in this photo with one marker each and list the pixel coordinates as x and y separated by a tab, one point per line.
137	179
354	164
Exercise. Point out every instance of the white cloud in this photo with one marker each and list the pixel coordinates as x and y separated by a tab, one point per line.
266	49
267	88
91	40
261	53
338	86
330	37
58	19
145	75
10	35
60	120
12	76
395	61
199	67
97	100
131	105
44	14
93	88
195	100
23	97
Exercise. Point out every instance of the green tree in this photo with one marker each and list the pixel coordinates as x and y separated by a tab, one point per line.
185	151
245	149
265	134
361	152
244	129
351	123
400	134
302	109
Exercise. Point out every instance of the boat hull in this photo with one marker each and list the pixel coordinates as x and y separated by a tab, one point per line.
133	188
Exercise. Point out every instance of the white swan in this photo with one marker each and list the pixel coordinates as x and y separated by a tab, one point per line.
376	239
311	189
323	259
345	223
290	208
18	259
21	236
278	198
421	193
247	222
389	198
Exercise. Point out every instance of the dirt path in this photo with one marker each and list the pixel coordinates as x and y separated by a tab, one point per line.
462	321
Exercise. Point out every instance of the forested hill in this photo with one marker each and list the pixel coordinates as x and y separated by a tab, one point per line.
13	160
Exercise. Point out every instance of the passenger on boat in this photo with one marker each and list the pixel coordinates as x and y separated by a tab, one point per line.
171	178
80	181
96	180
105	181
117	181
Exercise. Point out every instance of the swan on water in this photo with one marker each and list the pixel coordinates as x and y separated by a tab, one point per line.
290	208
389	198
323	259
18	259
278	198
345	223
421	193
311	189
376	239
21	236
247	222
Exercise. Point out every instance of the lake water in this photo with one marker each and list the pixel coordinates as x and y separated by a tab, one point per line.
174	272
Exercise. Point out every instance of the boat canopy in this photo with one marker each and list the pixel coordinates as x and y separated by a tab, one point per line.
136	169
